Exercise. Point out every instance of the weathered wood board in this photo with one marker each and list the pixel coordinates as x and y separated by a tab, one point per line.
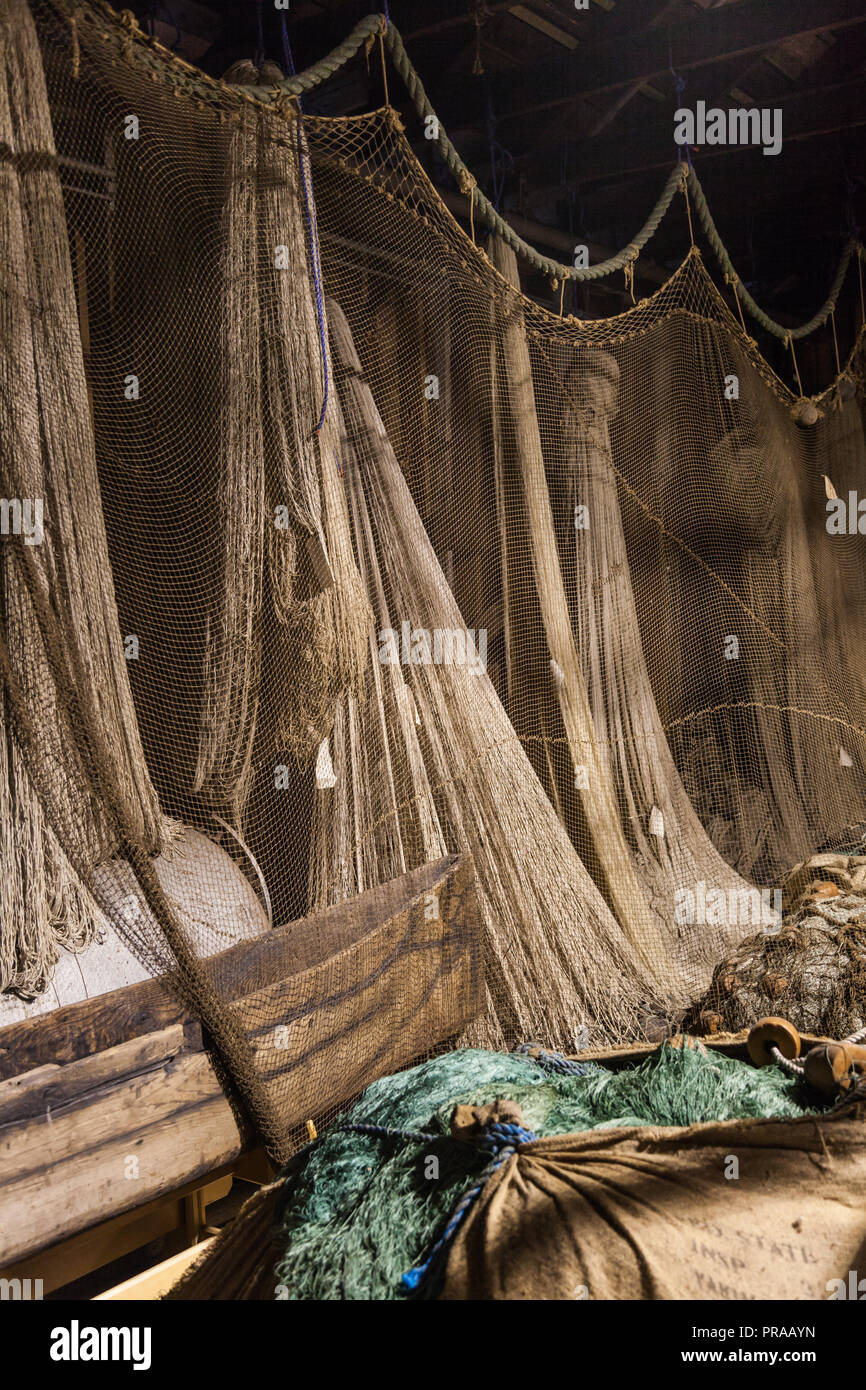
113	1102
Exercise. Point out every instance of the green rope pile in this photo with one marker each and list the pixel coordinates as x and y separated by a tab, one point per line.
357	1211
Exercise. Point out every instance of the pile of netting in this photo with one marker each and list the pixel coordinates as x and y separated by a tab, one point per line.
366	1204
349	556
811	968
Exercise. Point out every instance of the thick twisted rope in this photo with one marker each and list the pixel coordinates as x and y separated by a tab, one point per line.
777	329
681	178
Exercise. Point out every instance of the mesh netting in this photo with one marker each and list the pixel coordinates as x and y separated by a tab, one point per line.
356	558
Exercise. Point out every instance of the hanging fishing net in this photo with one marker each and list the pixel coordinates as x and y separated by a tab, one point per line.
355	560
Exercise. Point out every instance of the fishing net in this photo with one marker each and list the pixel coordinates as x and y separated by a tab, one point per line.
356	558
357	1210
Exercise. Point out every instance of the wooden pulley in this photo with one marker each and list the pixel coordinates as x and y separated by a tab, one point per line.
834	1066
772	1032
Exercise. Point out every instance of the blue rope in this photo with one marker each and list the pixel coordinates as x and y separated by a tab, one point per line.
260	36
288	60
317	271
387	13
500	1141
680	85
555	1061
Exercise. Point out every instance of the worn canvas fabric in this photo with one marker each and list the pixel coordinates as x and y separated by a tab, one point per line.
748	1209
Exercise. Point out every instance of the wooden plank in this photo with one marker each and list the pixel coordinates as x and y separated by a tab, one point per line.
101	1135
126	1143
46	1090
100	1245
154	1282
79	1030
704	39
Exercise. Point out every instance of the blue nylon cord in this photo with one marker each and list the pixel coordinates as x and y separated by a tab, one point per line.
288	60
501	1141
260	37
680	85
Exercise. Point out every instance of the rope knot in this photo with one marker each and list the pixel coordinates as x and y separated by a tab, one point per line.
392	116
466	181
287	105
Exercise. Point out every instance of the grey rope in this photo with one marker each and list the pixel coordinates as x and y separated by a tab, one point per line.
795	1068
680	178
748	302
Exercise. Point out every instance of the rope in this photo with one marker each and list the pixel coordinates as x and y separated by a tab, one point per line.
317	271
790	344
682	175
500	1141
383	29
554	1062
777	329
795	1068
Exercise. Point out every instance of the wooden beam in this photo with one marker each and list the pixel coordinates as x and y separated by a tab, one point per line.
709	37
102	1244
452	14
154	1282
544	26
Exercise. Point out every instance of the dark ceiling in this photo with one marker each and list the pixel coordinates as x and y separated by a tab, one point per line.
566	114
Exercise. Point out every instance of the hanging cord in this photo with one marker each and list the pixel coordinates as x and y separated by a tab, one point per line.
679	87
835	341
733	281
316	266
479	16
685	192
288	59
860	254
332	62
790	344
260	37
383	29
468	185
628	271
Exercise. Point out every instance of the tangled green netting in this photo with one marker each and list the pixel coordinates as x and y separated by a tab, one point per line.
357	1211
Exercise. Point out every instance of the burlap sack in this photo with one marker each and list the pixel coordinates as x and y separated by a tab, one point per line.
661	1214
